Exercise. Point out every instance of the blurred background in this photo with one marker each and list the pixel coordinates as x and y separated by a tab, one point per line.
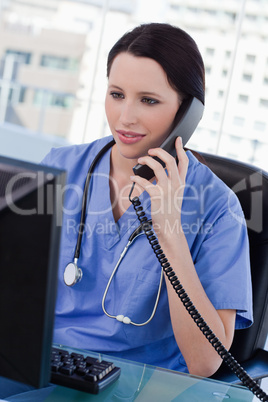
53	71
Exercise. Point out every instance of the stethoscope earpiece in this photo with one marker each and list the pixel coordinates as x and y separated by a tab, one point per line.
72	274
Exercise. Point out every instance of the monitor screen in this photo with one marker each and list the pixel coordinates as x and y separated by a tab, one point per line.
30	226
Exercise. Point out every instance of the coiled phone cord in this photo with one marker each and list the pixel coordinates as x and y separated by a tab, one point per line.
200	322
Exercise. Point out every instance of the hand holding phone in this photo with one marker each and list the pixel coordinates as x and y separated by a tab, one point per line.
188	117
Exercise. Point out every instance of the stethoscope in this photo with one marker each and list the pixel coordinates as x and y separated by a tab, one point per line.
73	274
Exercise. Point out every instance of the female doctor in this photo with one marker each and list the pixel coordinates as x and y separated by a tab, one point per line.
122	305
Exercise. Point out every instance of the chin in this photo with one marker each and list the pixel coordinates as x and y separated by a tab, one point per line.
130	153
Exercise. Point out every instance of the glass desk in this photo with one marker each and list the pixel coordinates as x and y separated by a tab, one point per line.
139	382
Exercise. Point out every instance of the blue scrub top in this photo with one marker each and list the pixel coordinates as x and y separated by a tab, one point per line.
216	233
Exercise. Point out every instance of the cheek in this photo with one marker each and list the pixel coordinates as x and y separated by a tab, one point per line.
162	122
106	105
109	110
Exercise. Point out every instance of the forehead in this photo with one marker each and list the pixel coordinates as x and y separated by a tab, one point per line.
138	72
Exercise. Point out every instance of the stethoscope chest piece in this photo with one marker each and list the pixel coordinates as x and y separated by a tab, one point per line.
72	274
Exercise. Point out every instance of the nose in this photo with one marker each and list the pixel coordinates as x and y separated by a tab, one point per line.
128	115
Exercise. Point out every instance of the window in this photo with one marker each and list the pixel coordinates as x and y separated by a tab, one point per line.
235	140
259	125
22	94
250	58
231	15
251	17
22	57
264	103
216	116
243	98
62	63
247	77
192	9
239	121
9	94
15	94
46	98
210	51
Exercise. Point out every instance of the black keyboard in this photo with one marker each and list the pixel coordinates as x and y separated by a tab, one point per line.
80	372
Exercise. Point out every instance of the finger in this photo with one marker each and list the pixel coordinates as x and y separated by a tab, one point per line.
162	154
144	184
154	165
168	159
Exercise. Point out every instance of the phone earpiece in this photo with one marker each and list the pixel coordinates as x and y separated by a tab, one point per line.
189	115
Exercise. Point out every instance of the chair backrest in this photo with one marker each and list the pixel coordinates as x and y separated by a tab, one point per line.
251	187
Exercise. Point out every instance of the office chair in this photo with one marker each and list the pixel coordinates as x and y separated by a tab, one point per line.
251	187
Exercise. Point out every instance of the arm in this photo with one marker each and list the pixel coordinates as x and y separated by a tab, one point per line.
199	355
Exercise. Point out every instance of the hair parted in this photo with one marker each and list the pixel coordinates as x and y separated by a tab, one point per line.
171	47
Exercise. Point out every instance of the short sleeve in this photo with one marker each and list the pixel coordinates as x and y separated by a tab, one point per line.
53	158
223	264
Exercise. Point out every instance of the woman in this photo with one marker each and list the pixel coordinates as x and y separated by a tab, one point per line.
151	71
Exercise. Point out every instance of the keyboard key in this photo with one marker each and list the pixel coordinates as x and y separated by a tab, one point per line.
84	373
91	377
91	360
67	369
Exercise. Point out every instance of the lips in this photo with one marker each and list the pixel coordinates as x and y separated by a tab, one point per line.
129	137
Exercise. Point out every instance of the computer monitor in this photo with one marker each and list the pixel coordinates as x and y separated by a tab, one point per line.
30	226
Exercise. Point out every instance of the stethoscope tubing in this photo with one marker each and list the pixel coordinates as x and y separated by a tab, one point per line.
120	317
85	196
73	274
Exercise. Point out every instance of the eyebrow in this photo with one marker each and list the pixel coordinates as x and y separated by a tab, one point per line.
150	93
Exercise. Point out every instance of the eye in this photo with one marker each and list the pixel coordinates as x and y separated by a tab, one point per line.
117	95
149	101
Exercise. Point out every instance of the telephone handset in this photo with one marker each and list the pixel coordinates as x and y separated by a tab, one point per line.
188	118
186	121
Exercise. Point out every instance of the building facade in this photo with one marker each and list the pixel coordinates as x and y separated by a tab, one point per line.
54	55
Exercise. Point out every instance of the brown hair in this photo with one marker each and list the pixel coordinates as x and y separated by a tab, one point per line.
173	49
